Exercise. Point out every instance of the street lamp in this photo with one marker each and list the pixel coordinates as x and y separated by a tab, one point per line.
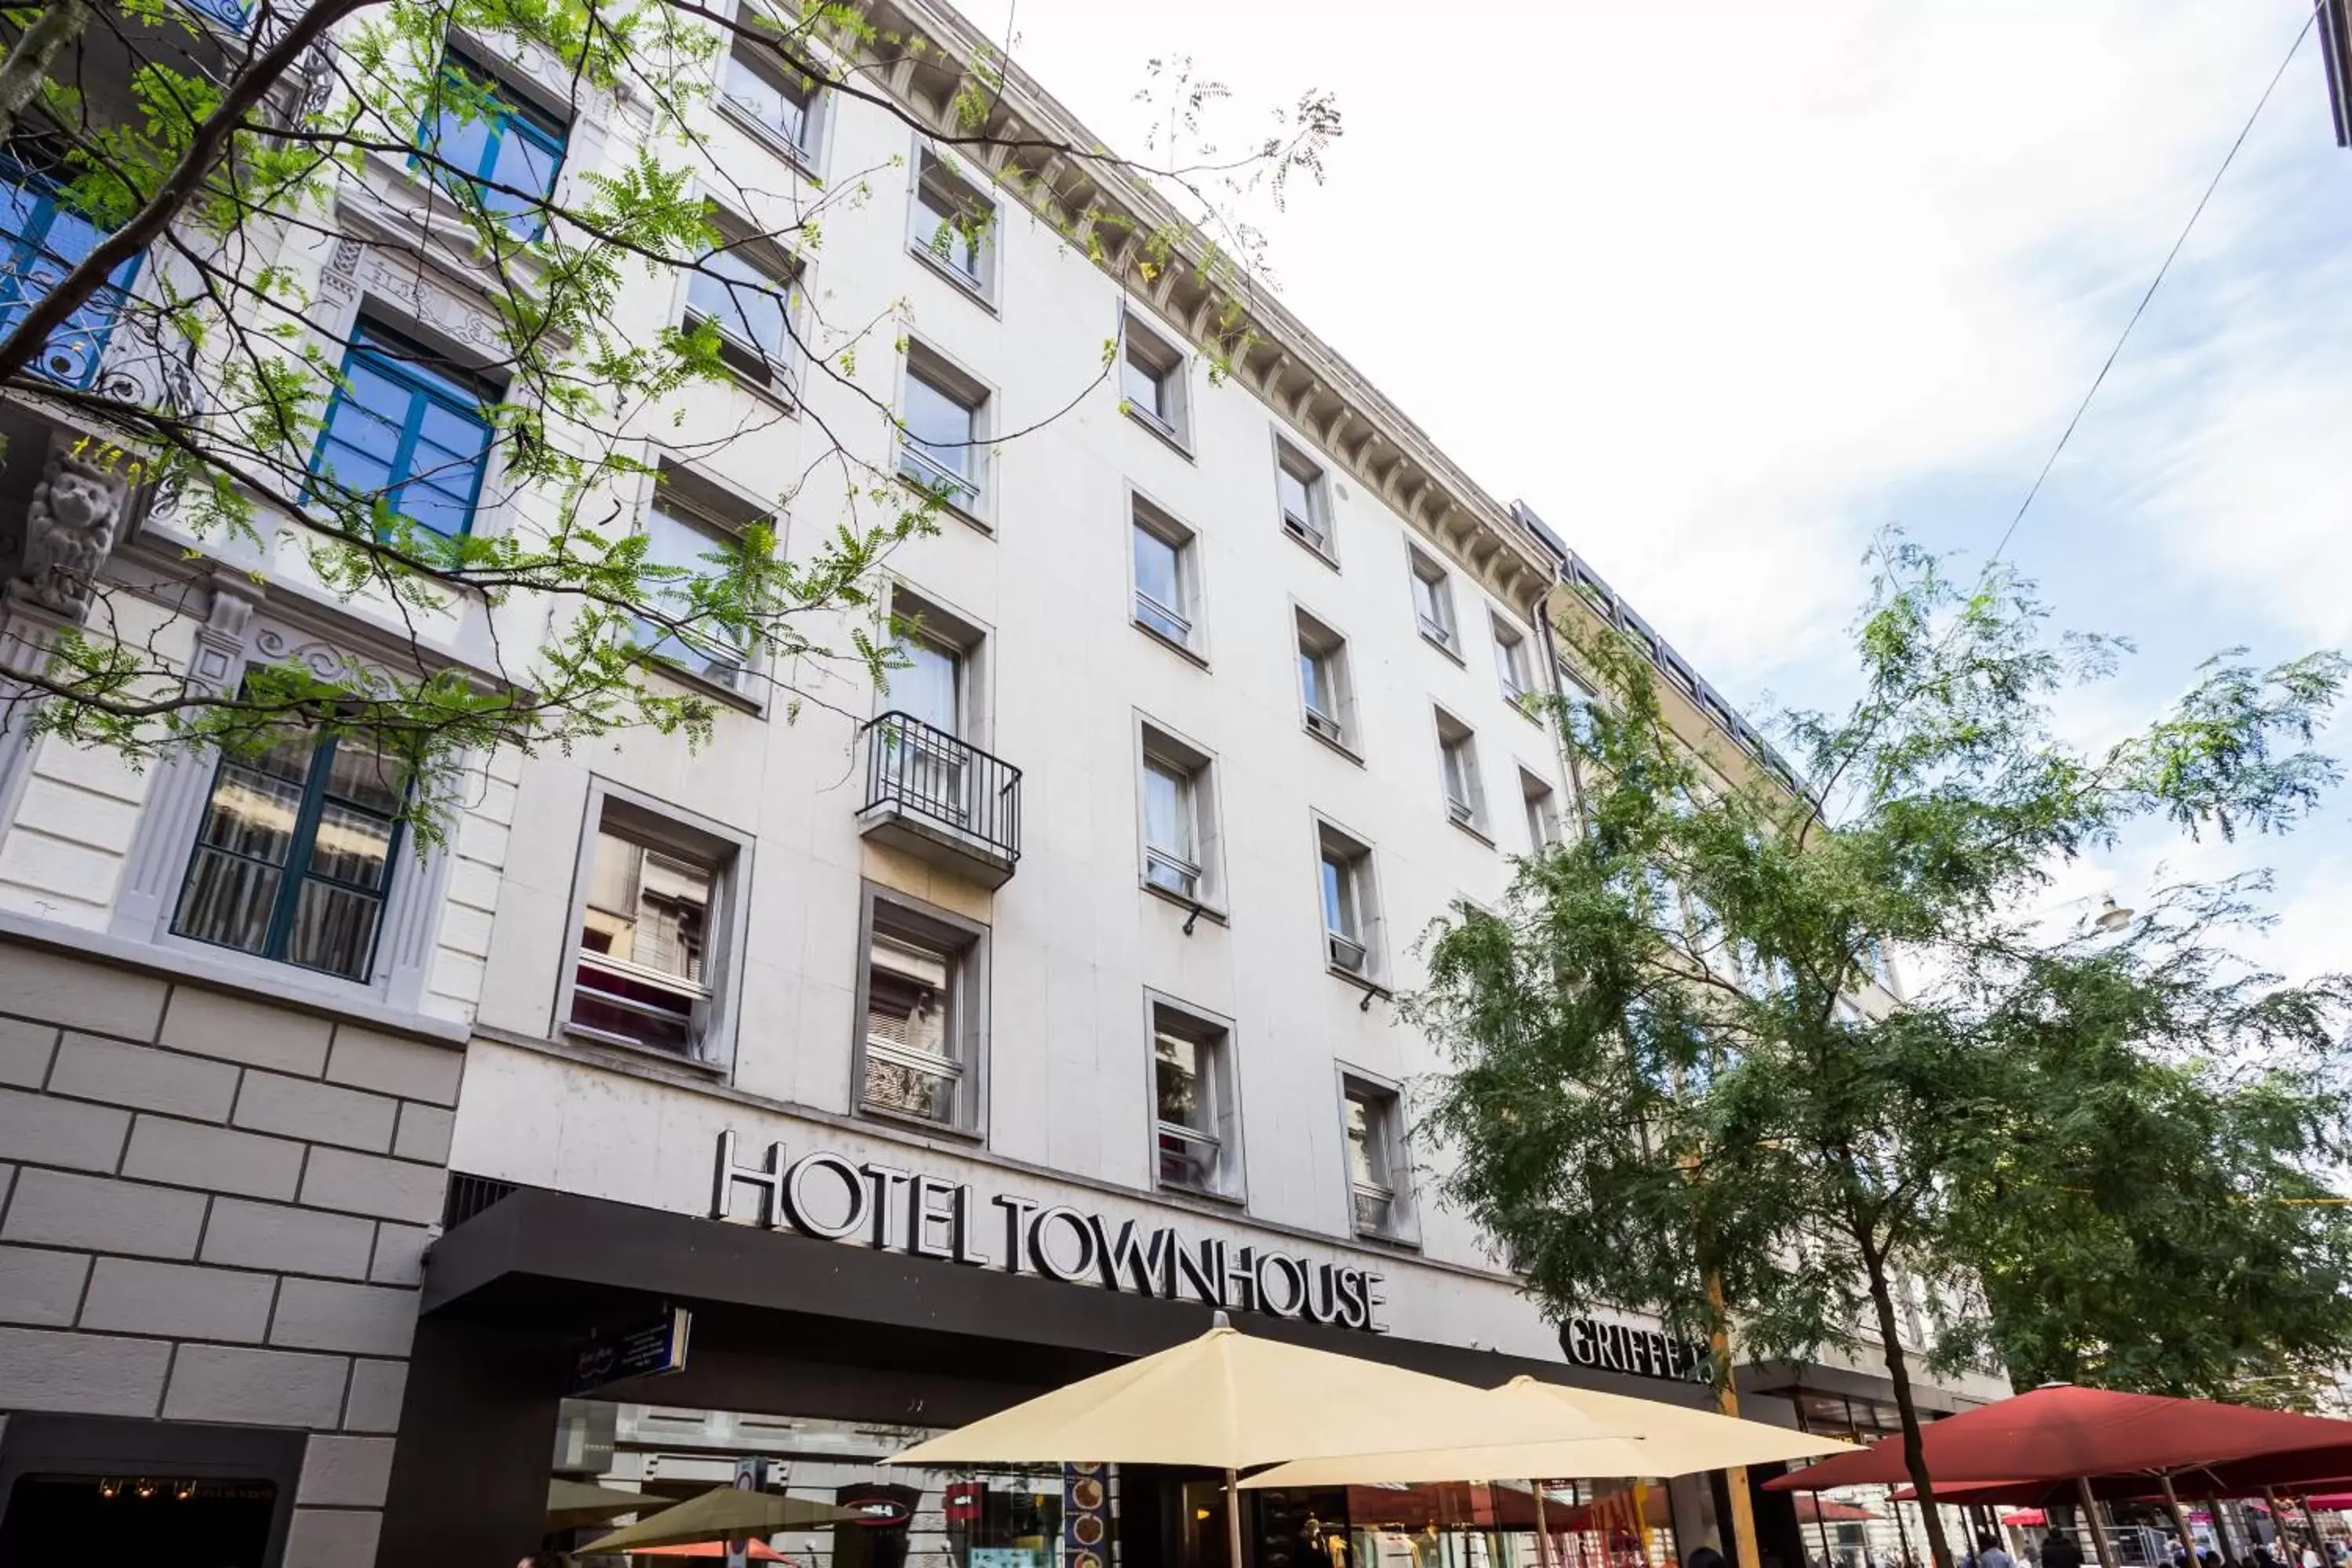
2113	917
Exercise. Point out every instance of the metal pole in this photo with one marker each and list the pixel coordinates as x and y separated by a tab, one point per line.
2100	1545
1821	1529
1233	1518
1745	1553
1901	1534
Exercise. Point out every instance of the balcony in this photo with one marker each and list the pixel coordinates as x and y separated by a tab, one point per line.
942	800
41	241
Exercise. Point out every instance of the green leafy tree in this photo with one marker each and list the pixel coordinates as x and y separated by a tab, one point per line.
1674	1070
215	161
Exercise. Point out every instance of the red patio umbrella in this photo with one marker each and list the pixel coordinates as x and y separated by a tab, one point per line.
1829	1510
2025	1518
2059	1432
2331	1499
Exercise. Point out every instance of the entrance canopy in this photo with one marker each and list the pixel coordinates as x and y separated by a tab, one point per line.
2059	1432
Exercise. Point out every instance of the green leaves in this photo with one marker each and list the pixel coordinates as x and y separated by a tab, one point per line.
2094	1157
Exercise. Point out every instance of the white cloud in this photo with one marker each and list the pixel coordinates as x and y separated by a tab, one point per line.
1721	289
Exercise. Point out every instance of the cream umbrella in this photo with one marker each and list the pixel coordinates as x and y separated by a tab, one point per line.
571	1503
1230	1400
1658	1439
723	1513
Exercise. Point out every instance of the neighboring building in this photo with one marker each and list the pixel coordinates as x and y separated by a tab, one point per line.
1015	1014
2335	60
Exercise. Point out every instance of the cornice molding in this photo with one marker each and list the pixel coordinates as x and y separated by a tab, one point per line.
1274	354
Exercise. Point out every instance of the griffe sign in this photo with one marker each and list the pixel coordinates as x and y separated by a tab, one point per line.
1621	1347
826	1196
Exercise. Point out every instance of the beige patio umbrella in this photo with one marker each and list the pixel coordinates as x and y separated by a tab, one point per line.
573	1503
1659	1439
724	1513
1231	1401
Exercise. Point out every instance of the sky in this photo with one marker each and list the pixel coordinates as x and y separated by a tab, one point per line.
1722	290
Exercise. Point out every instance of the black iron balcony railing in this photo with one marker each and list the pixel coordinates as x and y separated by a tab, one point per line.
951	784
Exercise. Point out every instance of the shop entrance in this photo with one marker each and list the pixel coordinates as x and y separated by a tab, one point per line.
95	1488
64	1521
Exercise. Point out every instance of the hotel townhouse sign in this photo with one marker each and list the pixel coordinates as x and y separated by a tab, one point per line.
827	1195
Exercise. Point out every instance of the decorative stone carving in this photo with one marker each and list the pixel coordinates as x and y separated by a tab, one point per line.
69	526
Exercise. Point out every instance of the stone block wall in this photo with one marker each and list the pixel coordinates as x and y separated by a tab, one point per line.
214	1208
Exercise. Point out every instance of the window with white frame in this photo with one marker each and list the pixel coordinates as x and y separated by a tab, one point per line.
951	226
924	1002
941	419
1195	1128
1152	381
1167	581
1180	816
776	98
1325	690
1458	755
1376	1163
1351	904
1511	662
1303	497
645	964
688	546
1433	600
744	290
1543	811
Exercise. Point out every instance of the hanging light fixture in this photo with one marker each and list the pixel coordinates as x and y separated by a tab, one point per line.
2113	917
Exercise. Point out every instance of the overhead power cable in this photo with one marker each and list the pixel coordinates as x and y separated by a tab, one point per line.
2154	284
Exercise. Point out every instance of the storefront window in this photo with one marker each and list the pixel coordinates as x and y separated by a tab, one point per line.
995	1517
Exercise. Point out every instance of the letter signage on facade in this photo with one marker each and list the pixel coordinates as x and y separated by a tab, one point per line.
826	1195
1629	1347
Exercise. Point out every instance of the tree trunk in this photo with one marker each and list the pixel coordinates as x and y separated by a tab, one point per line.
27	65
1898	1373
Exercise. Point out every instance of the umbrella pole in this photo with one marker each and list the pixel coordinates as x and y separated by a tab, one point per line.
2179	1517
1901	1534
1543	1528
1821	1529
1233	1518
2100	1545
2311	1525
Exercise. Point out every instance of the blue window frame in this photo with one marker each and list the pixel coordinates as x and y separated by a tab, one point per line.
43	241
295	855
408	430
230	13
507	145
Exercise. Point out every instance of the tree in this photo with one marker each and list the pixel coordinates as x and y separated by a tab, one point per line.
1677	1088
202	156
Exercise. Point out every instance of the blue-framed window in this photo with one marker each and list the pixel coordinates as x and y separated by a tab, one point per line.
295	856
406	426
512	149
43	241
230	13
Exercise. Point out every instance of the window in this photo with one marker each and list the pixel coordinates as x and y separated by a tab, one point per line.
744	290
1374	1157
44	241
1152	381
778	100
1543	811
681	537
1432	601
481	135
1511	662
951	223
294	857
1457	757
642	974
1351	911
925	1008
1324	689
1166	586
1180	819
1194	1126
406	430
1303	500
940	451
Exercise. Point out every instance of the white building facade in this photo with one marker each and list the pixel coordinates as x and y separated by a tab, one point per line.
926	1046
